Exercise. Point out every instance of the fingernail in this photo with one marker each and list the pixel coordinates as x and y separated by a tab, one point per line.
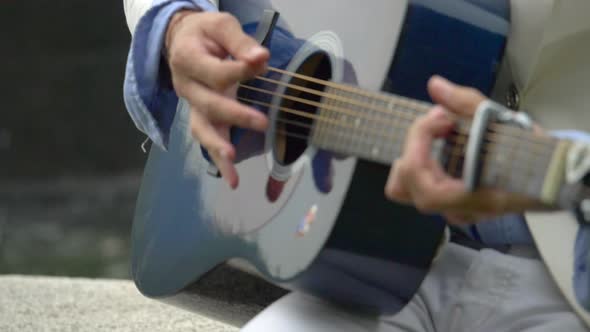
259	122
255	52
439	112
441	115
443	86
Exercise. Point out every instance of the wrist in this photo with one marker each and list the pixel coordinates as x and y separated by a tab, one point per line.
175	21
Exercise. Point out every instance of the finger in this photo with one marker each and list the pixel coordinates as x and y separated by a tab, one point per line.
219	74
394	189
432	194
497	202
419	175
458	99
418	145
218	145
227	31
220	109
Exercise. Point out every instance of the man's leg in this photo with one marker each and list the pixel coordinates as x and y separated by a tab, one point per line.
297	312
465	291
520	296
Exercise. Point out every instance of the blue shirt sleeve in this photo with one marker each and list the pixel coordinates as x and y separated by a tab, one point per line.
148	93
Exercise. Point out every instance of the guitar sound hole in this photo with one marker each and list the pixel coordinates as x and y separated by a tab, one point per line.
296	117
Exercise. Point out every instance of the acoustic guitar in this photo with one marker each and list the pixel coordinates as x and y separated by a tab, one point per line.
346	80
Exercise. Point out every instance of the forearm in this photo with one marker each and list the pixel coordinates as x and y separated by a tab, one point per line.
148	95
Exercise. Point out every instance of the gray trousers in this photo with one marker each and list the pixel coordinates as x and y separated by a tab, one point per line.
466	290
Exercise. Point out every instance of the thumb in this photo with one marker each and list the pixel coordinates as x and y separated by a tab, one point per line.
460	100
226	30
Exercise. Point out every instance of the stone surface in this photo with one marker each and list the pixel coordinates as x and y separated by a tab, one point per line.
60	304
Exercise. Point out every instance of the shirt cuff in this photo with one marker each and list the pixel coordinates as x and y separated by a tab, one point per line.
149	96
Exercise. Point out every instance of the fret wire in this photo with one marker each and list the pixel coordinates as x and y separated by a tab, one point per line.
321	129
343	139
368	141
331	137
530	178
503	159
409	112
378	127
510	162
327	136
357	132
318	132
540	172
546	164
376	151
384	129
500	160
370	125
356	144
399	135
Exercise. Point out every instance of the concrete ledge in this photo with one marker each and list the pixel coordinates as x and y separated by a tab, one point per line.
61	304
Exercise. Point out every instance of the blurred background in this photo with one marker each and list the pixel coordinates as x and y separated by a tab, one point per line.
70	158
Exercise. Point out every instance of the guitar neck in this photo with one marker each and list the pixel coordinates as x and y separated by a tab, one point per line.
373	126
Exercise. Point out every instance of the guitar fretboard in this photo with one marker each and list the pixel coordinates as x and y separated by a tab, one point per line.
373	126
368	126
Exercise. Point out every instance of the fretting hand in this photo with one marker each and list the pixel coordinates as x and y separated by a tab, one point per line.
417	179
198	47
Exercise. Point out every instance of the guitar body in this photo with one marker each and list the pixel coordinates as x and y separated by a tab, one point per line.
304	218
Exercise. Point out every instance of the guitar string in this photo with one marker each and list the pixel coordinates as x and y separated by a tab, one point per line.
303	114
506	129
392	122
460	142
520	134
349	101
386	98
454	165
518	170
